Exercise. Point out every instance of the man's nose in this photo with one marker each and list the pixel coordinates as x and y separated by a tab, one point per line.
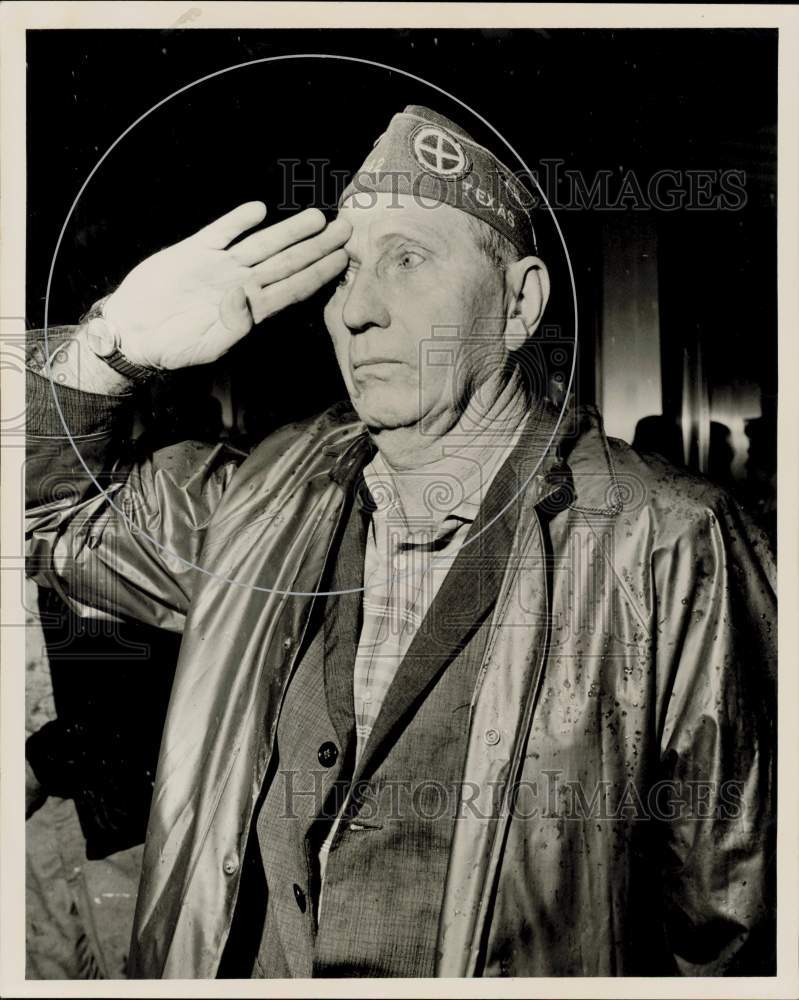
364	306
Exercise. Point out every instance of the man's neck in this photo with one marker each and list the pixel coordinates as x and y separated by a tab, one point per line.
473	438
413	447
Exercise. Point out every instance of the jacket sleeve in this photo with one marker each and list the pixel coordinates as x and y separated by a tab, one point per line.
717	652
117	535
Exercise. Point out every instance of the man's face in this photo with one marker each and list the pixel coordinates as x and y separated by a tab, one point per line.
415	272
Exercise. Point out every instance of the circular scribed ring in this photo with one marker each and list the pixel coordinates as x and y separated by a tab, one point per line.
444	157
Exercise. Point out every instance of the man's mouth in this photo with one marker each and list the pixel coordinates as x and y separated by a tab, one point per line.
376	360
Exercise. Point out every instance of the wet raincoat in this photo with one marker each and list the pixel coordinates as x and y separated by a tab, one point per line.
620	819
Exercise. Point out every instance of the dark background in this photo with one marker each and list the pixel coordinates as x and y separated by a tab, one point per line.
618	101
632	100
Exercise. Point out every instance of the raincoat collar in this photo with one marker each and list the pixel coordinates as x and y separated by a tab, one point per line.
579	468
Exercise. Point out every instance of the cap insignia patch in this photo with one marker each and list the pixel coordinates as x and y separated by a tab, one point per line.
438	152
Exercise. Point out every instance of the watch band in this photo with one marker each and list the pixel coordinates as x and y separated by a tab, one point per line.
136	373
115	358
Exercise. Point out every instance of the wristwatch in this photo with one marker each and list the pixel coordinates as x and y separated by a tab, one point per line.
105	344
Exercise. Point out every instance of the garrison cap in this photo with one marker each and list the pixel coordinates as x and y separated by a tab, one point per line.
424	154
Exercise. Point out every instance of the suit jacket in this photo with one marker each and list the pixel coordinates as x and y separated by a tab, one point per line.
620	751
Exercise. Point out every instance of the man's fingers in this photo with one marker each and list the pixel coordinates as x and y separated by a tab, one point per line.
219	233
299	286
301	255
273	239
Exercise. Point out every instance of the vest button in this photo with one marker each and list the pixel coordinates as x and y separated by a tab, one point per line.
491	736
328	754
299	896
230	865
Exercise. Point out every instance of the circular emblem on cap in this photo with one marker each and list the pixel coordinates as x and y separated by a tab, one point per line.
438	152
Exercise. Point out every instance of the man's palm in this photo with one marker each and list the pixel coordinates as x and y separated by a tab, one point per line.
188	304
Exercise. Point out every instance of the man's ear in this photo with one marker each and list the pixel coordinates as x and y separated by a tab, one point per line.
527	283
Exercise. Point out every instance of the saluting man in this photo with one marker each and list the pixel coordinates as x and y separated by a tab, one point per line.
464	688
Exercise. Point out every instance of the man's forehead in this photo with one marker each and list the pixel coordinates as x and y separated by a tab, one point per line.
379	216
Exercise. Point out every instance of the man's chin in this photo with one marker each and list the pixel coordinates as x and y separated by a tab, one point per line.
384	414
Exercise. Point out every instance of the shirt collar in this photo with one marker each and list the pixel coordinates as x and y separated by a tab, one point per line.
452	487
579	458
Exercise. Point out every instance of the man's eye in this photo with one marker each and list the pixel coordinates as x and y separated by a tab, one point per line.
346	278
409	259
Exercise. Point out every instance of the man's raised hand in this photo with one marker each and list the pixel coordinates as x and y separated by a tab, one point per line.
190	303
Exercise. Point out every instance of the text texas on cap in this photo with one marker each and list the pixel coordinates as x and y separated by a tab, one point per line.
424	154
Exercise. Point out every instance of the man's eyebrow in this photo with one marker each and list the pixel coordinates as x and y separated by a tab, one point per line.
410	234
421	233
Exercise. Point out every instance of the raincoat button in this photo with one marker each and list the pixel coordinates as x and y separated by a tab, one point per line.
230	866
288	642
491	736
299	896
327	754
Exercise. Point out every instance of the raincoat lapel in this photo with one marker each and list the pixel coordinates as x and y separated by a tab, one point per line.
342	624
